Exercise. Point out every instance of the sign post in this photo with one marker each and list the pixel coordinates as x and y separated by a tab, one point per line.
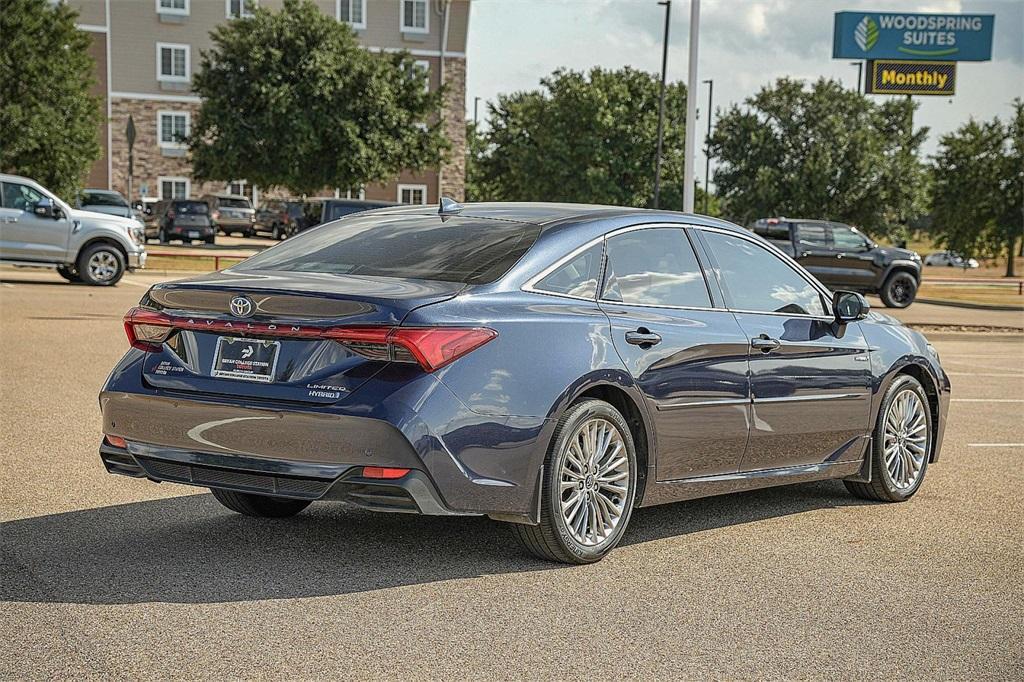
130	135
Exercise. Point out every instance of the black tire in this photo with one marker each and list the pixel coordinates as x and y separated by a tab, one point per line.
114	264
210	240
277	233
68	274
899	290
881	488
552	540
262	506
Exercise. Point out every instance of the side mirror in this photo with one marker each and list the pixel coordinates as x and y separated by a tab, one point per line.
849	306
45	208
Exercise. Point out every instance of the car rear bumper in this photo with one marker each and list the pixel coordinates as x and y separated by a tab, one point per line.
413	493
461	462
176	231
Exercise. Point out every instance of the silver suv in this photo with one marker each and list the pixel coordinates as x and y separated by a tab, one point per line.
38	229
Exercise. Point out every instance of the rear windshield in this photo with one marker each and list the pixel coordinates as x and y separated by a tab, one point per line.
417	247
335	211
191	207
102	199
233	203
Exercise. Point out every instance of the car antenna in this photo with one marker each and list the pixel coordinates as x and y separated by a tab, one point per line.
449	207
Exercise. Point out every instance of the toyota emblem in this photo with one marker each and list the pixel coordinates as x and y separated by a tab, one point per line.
241	306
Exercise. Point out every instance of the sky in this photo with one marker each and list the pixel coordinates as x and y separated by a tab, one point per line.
744	44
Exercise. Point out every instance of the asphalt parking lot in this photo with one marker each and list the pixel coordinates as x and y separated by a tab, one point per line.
103	576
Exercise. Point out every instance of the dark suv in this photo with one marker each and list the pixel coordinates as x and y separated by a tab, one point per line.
184	219
842	257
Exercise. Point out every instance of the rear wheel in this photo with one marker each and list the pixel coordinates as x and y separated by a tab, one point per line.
68	274
277	233
101	265
899	290
900	445
262	506
210	240
588	487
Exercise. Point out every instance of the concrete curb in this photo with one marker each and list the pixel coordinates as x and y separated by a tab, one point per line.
973	306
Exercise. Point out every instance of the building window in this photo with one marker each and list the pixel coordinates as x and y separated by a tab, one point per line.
352	12
412	194
173	188
236	187
424	72
239	9
414	16
172	7
172	62
351	194
172	128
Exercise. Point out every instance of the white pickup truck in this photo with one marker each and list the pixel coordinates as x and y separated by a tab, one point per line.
38	229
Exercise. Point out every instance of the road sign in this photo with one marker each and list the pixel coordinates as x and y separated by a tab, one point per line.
910	77
889	35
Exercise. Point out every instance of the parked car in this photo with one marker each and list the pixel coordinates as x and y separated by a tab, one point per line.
302	215
281	219
551	366
38	229
231	213
842	256
184	219
104	201
951	259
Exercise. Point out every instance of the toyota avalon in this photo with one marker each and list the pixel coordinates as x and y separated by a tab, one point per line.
550	366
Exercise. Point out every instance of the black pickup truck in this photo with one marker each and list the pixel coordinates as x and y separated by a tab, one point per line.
841	257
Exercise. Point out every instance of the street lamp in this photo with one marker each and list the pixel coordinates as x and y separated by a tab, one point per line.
476	104
661	104
707	144
691	109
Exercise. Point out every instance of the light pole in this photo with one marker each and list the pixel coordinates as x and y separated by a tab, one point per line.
860	69
661	104
691	109
476	105
707	145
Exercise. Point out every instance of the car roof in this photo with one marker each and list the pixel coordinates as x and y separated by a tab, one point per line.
225	195
558	216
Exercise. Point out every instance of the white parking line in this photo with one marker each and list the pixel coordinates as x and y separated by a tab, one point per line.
995	445
143	284
985	374
987	400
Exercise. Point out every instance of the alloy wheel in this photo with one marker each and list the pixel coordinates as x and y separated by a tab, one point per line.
103	266
594	482
905	439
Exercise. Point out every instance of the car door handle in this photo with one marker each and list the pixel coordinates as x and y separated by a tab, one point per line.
764	343
643	337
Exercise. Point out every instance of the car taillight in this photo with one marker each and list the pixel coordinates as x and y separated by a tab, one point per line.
431	347
147	329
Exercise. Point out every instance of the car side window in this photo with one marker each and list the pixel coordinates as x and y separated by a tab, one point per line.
813	235
655	266
20	197
846	239
578	277
757	280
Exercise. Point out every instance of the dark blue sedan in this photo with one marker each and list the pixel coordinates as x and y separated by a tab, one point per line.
552	366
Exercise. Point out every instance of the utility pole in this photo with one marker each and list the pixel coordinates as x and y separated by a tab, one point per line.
691	110
661	104
707	149
129	133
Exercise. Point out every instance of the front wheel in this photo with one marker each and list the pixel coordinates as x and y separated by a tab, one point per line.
900	445
588	488
262	506
899	290
101	265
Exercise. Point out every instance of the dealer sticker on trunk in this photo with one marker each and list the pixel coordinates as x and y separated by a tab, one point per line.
246	359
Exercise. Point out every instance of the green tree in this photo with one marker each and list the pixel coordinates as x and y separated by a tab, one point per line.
586	138
820	152
291	99
978	185
49	120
